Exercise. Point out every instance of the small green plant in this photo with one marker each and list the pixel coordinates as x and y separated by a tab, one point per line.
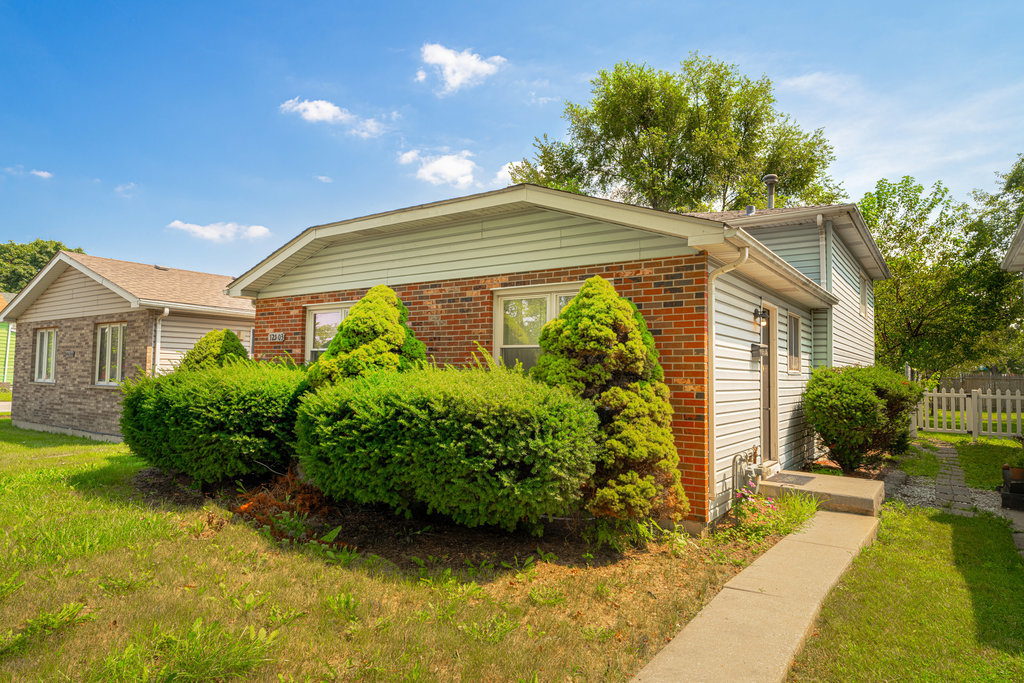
282	617
597	634
9	585
209	652
492	631
125	584
759	517
343	606
13	643
213	350
547	596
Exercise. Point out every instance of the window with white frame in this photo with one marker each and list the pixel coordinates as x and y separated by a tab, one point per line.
46	355
519	316
322	322
794	342
110	352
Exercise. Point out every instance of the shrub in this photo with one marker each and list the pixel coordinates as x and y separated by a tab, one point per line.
212	350
374	336
599	348
217	423
483	447
859	409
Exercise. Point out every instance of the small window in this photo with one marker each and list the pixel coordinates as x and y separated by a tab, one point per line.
46	355
865	286
519	319
110	352
794	343
321	326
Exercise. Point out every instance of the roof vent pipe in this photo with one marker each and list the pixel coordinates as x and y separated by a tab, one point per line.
750	209
771	180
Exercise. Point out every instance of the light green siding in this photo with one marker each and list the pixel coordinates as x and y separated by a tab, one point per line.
6	352
798	245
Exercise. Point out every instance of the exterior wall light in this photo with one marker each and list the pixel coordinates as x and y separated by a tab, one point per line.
760	317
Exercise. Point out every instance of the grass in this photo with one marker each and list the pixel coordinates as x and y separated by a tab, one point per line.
920	460
936	598
98	582
981	461
5	396
949	419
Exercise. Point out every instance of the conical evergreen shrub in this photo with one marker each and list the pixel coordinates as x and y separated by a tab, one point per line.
212	350
375	336
600	348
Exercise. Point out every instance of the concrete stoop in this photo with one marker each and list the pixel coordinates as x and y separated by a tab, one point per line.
834	493
756	625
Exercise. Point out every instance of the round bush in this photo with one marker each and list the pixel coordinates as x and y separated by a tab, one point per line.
214	424
212	350
482	447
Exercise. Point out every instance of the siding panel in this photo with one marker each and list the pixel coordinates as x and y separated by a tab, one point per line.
531	241
798	245
74	295
853	334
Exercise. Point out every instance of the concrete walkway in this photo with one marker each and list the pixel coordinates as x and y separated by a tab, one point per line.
755	626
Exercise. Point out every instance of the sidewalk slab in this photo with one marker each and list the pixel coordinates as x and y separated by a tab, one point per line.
838	494
766	611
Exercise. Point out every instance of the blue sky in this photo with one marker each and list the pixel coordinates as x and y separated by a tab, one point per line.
205	135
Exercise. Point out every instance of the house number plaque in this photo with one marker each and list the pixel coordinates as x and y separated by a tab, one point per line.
275	336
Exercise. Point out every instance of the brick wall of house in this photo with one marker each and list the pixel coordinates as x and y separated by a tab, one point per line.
73	401
451	316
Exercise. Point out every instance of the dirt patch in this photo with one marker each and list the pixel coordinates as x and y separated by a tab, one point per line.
158	487
876	467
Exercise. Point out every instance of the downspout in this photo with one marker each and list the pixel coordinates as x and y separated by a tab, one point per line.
710	393
156	343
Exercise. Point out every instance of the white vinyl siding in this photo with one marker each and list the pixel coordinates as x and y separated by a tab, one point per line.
819	331
110	353
45	355
532	240
737	384
798	245
74	295
178	334
853	332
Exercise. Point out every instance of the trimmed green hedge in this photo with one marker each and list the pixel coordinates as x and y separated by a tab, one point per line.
213	350
217	423
860	409
482	447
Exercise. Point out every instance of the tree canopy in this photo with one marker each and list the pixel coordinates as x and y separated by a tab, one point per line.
697	139
948	306
19	263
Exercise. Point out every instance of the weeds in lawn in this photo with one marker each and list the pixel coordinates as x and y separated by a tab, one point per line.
282	617
492	630
758	517
9	585
547	596
125	584
920	462
342	605
45	624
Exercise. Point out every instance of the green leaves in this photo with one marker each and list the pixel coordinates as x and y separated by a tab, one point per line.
19	263
213	350
695	139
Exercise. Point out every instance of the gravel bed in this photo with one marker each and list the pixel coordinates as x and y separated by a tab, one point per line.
920	491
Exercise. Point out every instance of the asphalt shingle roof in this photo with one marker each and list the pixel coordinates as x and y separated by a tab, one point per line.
730	215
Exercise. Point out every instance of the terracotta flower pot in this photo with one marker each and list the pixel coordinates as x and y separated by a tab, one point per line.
1017	473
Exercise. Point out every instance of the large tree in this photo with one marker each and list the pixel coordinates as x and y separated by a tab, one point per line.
19	263
948	306
697	139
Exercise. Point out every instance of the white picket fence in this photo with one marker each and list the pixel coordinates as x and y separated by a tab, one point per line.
977	412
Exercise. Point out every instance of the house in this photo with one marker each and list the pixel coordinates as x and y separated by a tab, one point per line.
6	344
87	322
742	307
1014	259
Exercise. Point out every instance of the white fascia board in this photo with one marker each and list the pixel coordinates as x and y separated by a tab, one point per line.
636	217
197	308
45	277
1014	259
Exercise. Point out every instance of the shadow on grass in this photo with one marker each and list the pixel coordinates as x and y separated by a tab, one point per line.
984	554
126	479
30	438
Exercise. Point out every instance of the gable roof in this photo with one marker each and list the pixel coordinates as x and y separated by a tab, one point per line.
714	236
1014	259
846	219
142	285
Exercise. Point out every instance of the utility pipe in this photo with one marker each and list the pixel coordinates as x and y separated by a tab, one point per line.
710	392
156	345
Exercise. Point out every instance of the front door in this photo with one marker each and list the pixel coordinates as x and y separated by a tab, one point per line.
769	384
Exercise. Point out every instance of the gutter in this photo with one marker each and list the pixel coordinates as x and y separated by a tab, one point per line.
156	343
197	308
710	392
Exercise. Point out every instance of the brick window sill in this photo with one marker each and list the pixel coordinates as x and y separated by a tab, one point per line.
43	384
103	386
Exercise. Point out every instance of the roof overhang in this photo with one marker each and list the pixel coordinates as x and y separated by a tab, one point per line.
512	199
61	262
1014	259
847	221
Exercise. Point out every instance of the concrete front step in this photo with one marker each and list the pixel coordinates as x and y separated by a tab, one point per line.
756	625
836	494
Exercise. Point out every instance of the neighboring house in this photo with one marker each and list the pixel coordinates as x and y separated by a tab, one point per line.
7	331
1014	260
87	322
493	267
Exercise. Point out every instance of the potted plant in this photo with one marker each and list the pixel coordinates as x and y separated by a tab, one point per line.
1016	465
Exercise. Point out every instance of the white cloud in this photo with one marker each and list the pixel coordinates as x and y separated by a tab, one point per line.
322	111
45	175
125	189
19	170
443	169
457	69
324	178
540	99
421	75
504	176
920	130
221	232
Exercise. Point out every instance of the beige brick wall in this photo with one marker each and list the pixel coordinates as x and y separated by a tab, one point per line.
73	402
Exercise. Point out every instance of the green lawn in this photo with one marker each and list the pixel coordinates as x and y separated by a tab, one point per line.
944	419
936	598
982	461
5	396
98	582
920	461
